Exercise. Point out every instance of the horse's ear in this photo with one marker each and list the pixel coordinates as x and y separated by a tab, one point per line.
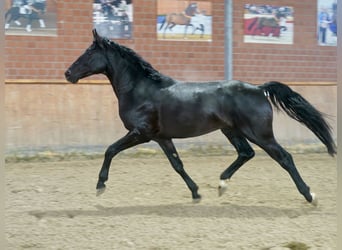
97	38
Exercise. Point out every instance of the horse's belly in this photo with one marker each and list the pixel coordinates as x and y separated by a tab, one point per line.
191	126
185	132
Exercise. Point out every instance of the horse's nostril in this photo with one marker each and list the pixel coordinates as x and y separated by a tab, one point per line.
67	73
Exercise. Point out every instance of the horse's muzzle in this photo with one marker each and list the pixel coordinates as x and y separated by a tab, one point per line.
69	77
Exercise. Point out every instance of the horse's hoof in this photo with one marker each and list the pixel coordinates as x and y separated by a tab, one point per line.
197	199
222	187
314	200
100	191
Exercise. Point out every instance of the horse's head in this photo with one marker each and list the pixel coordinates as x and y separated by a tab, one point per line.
92	61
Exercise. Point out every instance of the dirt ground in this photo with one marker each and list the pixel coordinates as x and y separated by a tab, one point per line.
52	205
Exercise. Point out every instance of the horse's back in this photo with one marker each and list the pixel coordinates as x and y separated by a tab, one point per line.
191	109
229	90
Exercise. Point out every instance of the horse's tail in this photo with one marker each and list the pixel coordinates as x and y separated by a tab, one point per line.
8	12
253	23
301	110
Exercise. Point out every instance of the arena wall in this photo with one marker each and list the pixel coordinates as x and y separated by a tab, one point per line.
45	112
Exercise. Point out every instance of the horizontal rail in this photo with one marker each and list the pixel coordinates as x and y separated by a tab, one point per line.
54	81
105	82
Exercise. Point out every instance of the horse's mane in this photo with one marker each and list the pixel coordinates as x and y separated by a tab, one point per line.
136	60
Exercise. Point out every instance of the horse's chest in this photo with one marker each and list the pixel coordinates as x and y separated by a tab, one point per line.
143	117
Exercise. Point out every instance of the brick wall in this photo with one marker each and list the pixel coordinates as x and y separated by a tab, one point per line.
303	61
30	57
48	57
52	116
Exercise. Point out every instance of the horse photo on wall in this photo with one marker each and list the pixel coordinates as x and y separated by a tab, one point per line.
113	18
327	22
31	17
268	24
184	20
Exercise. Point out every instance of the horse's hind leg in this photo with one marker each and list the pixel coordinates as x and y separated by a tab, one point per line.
171	153
13	17
285	160
245	153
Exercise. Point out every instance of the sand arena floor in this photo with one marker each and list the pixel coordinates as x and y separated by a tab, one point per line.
52	205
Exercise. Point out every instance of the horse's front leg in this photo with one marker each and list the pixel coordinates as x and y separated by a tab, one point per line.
171	153
202	29
186	29
131	139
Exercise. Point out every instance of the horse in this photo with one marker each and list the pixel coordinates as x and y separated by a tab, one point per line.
259	23
31	13
183	18
156	107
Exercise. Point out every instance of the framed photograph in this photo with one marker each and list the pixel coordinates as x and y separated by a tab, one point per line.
31	17
184	20
327	22
268	24
113	18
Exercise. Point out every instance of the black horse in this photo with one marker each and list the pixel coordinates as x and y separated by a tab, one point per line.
155	107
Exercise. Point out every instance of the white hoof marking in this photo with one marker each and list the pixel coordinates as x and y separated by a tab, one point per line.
314	199
222	187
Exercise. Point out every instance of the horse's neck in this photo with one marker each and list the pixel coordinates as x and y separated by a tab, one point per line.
119	77
125	79
120	86
138	89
